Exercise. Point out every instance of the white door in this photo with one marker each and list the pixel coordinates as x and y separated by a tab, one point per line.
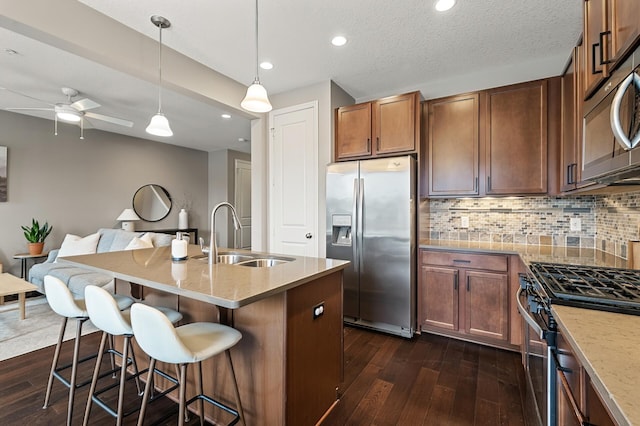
293	180
242	203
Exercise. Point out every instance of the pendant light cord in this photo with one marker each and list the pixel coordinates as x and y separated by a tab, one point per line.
257	75
160	70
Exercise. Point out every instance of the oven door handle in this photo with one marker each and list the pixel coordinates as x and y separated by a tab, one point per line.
566	389
528	317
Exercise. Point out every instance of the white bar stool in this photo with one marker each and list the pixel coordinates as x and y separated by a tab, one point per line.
187	344
106	315
62	302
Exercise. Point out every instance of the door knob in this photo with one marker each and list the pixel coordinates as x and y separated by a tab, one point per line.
308	236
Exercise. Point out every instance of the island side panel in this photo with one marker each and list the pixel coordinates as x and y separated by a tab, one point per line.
314	349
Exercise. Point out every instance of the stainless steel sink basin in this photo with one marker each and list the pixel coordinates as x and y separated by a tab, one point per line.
246	259
232	259
263	263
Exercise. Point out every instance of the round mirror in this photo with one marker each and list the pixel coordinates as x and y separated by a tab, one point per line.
152	203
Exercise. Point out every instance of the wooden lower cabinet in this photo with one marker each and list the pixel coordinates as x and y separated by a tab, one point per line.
469	302
578	402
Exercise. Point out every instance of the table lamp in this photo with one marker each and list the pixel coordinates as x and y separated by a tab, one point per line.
128	216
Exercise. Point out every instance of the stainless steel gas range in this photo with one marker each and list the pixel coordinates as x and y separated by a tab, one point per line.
589	287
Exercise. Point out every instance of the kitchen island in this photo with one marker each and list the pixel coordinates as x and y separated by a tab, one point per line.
289	361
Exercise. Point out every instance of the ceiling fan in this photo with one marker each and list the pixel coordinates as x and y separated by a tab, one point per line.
72	112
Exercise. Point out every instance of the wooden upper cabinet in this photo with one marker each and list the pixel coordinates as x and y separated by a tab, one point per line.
453	145
353	131
625	27
516	139
384	127
395	124
569	139
595	29
611	31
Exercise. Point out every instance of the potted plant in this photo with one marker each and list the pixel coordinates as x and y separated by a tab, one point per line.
35	235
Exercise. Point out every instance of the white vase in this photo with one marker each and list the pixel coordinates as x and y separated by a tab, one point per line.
183	219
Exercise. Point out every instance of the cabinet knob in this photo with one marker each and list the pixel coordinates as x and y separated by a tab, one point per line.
308	236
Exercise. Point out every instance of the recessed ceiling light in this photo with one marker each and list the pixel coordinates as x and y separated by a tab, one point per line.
226	116
339	41
444	5
266	65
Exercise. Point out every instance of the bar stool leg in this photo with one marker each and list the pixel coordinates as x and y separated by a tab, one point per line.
147	391
123	377
54	364
183	393
200	391
94	380
74	369
235	387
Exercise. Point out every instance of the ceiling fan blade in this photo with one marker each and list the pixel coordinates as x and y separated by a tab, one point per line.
114	120
26	96
29	109
84	104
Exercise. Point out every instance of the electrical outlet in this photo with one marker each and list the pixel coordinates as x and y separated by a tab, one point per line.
575	224
318	310
464	222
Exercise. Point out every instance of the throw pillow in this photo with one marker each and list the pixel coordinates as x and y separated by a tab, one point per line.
74	245
140	242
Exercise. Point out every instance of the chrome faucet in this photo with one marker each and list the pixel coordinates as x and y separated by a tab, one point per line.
213	246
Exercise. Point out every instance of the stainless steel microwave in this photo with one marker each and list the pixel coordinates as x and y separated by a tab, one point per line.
611	143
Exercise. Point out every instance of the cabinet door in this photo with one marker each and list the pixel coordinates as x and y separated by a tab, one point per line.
487	305
438	298
453	145
516	139
569	140
625	26
595	24
353	131
395	124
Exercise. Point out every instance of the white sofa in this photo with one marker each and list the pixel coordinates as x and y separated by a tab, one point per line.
78	278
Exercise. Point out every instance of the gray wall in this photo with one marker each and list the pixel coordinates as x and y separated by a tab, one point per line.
222	188
79	186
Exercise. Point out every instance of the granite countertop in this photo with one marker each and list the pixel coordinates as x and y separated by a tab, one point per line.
229	286
607	345
533	253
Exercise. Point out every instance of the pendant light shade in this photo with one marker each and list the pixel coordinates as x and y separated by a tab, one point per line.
256	99
159	125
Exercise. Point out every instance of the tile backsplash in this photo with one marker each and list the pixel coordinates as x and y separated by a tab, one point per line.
607	222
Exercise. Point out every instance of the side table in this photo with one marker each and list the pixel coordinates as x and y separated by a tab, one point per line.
24	257
10	284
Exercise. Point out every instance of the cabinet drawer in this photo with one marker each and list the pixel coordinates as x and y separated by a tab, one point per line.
488	262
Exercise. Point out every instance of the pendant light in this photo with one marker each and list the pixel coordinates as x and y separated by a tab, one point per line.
256	99
159	125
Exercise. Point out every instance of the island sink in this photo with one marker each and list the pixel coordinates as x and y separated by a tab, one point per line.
255	260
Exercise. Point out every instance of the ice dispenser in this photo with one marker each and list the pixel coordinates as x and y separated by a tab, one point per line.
341	225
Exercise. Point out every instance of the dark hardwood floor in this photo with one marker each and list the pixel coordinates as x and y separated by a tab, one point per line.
430	380
388	380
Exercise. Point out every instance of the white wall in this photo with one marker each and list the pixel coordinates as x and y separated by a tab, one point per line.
329	96
79	186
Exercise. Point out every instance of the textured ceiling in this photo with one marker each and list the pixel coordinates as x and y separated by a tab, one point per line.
393	47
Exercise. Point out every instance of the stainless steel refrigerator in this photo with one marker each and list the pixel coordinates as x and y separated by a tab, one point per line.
371	221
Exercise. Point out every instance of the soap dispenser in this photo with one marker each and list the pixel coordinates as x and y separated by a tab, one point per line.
178	248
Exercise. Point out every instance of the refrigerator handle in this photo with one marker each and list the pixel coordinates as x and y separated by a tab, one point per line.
361	224
354	230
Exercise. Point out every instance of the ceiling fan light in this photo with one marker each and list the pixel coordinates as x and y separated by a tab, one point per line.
256	99
159	126
68	116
